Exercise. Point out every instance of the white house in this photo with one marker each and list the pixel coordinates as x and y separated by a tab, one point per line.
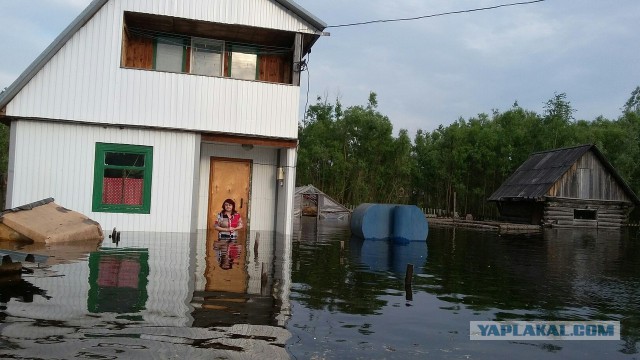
146	114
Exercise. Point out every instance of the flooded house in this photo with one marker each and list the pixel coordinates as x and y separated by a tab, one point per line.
568	187
146	114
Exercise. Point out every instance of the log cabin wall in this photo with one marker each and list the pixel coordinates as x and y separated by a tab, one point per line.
521	212
588	179
563	212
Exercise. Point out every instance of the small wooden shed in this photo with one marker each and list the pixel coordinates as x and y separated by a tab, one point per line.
568	187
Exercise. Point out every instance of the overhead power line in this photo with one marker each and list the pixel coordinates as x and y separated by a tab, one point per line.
436	15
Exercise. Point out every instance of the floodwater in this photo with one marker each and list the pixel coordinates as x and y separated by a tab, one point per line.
320	295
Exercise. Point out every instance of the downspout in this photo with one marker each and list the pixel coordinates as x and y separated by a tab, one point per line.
277	202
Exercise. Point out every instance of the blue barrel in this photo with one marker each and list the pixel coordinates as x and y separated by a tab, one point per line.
409	224
402	223
372	221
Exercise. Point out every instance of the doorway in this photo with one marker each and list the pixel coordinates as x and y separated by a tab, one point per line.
228	179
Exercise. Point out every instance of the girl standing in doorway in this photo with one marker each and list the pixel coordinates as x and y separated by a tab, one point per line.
228	221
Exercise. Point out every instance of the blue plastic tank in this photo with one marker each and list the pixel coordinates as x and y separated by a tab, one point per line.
402	223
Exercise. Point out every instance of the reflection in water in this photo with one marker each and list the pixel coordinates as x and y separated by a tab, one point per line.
352	303
226	264
173	294
13	287
387	255
322	295
118	280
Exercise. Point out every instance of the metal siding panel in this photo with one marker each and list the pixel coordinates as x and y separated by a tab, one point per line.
262	13
84	82
51	156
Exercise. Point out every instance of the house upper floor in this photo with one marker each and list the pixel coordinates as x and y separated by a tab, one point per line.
219	66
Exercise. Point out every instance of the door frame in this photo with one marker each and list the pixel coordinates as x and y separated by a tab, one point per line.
246	217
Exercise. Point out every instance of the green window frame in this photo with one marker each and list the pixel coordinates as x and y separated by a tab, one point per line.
238	52
133	165
176	42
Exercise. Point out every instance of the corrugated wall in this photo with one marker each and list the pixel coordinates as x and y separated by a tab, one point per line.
258	13
84	81
263	182
56	160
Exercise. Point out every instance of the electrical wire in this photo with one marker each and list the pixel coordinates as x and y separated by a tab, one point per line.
435	15
306	104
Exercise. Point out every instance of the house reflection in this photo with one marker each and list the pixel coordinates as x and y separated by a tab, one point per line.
225	264
118	280
241	280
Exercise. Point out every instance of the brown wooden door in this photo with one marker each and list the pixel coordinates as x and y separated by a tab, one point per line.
229	179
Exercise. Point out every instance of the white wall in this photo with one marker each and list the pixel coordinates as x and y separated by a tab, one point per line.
57	160
84	80
288	159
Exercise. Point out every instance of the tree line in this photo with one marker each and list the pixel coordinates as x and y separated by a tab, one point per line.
352	155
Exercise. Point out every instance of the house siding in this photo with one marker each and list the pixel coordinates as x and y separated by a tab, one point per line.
258	13
85	82
57	160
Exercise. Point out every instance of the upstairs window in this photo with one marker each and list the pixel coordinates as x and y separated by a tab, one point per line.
244	63
206	57
169	55
122	178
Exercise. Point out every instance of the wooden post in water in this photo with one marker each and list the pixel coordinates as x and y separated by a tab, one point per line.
408	278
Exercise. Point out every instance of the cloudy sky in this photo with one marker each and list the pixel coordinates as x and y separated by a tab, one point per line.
432	71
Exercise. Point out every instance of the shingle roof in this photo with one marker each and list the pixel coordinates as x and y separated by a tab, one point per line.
533	179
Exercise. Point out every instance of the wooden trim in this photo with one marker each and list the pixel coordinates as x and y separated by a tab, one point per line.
3	111
297	58
248	140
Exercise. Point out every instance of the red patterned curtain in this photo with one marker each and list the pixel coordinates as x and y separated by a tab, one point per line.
122	191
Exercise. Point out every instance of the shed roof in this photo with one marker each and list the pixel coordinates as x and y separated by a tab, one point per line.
533	179
84	17
325	205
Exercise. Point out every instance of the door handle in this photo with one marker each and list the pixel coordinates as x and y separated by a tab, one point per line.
241	202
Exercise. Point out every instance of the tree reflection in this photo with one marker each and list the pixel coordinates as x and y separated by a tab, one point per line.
558	275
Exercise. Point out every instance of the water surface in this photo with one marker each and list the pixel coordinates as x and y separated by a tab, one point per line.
319	295
349	298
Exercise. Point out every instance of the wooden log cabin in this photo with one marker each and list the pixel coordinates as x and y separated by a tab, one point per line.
568	187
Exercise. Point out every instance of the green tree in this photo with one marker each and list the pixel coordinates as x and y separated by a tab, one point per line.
633	104
558	115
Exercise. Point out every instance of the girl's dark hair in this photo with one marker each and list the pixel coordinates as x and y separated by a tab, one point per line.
233	205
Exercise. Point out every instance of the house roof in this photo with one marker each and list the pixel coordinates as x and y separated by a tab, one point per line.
84	17
533	179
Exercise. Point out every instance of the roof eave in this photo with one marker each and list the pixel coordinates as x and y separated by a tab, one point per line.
304	14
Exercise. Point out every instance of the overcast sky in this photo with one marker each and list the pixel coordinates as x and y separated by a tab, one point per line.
432	71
